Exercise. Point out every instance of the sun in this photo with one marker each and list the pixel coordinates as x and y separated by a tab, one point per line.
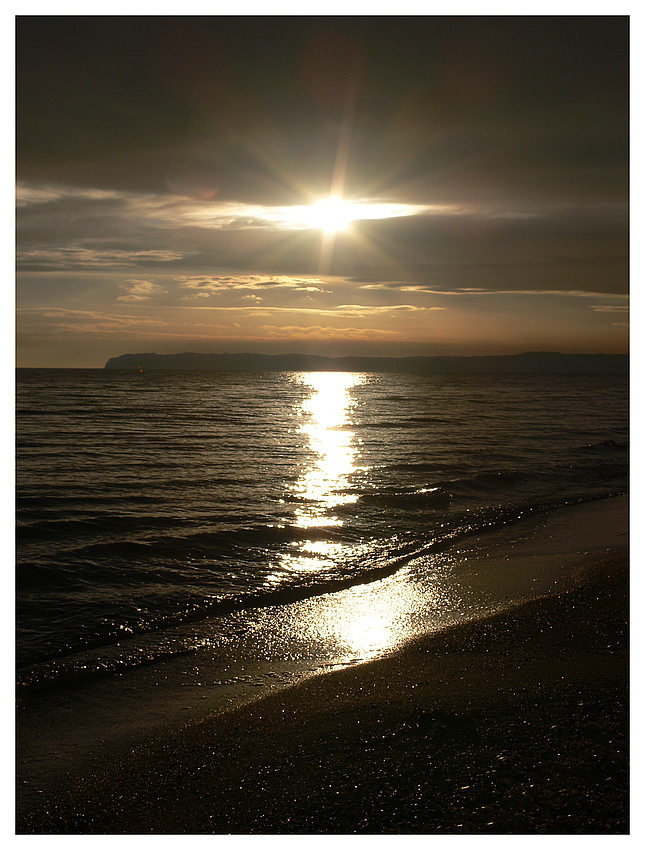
331	214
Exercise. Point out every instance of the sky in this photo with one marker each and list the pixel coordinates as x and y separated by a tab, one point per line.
374	185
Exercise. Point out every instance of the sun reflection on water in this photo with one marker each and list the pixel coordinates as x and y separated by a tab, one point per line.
311	555
366	620
331	439
324	481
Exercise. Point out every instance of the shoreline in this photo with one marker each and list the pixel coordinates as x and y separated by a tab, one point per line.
515	723
77	727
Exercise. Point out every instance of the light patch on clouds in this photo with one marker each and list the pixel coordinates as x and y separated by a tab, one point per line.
203	284
139	290
613	308
360	309
62	321
294	217
610	308
26	195
78	256
173	210
320	332
345	310
429	289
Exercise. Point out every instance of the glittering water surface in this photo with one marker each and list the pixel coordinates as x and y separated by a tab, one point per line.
160	513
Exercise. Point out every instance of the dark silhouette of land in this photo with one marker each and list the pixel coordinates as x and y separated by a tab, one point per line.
527	362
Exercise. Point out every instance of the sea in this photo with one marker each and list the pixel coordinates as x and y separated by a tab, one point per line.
185	533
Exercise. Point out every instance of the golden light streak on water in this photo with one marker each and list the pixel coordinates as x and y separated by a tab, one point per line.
322	484
328	424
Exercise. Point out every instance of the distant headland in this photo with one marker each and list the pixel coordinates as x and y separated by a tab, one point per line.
533	362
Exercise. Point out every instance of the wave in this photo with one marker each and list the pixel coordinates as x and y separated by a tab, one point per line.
206	496
376	562
487	482
430	497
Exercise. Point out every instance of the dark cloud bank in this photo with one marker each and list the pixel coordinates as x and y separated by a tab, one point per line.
151	148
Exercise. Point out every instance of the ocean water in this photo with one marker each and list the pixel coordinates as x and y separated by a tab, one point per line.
154	507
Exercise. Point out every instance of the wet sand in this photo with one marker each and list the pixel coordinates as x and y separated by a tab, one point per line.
516	724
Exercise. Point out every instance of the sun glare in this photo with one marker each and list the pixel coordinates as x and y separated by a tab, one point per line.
331	215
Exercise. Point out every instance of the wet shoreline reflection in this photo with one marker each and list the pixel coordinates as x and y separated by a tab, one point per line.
365	621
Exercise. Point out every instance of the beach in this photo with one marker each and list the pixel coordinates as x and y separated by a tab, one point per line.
514	723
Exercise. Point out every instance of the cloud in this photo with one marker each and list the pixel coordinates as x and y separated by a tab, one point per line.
488	245
139	290
325	333
342	310
464	292
610	308
217	105
28	195
90	258
170	163
204	284
59	321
